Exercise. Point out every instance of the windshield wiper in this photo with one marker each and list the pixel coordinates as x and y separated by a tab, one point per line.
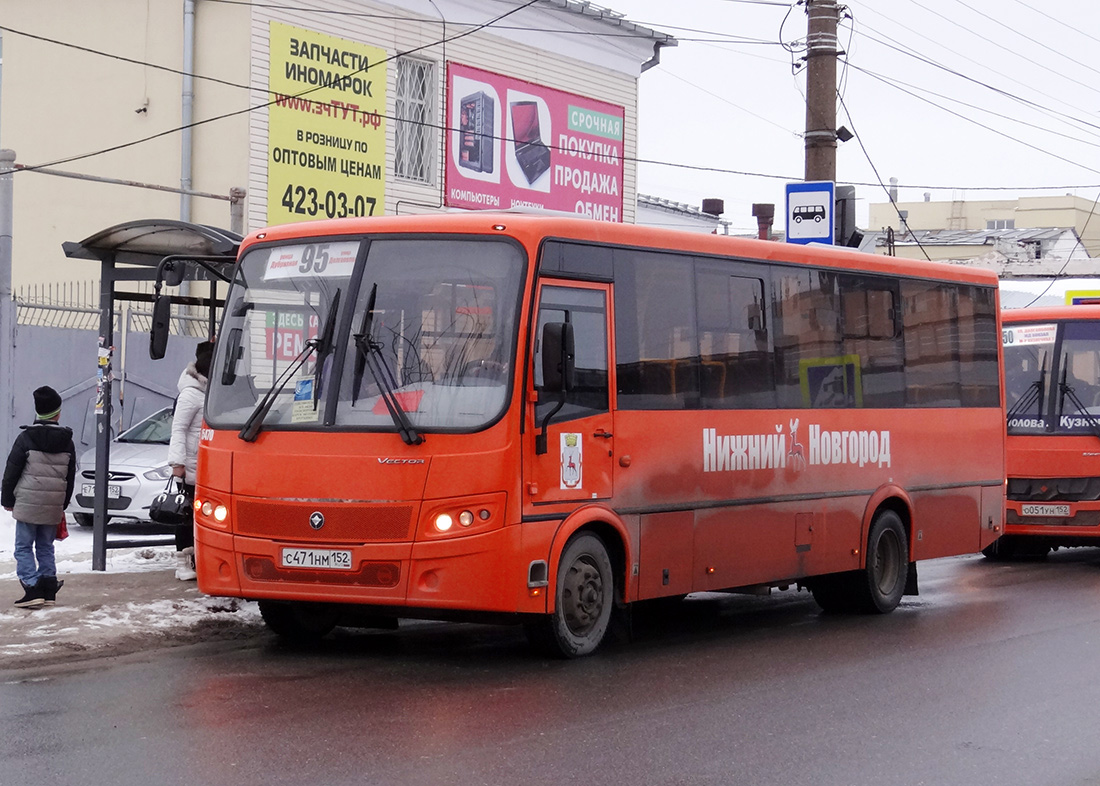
361	357
1067	391
324	349
1033	394
369	356
255	422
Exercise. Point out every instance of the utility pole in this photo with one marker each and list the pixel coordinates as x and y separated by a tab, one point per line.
821	52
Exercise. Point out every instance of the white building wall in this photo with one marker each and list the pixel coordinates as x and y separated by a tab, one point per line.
60	102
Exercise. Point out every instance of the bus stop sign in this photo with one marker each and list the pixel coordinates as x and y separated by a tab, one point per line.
810	212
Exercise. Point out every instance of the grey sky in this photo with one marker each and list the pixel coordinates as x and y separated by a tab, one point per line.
952	97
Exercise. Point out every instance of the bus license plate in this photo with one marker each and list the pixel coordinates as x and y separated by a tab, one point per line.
1044	510
114	491
331	559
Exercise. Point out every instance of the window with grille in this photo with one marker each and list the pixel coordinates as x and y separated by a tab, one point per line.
416	120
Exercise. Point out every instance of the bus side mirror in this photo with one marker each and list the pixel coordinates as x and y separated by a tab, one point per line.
174	272
558	357
233	353
158	331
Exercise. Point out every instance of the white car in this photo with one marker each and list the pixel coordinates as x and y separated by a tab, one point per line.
138	472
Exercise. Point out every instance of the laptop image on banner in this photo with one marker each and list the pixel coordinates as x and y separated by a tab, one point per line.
531	154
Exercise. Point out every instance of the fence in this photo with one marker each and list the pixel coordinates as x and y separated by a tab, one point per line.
57	341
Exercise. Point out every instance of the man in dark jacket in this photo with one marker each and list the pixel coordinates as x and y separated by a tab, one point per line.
38	484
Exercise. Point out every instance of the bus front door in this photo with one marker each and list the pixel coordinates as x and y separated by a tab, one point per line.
579	442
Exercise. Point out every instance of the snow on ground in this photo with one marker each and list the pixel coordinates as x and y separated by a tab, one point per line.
136	604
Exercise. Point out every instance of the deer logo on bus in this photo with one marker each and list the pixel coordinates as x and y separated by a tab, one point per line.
797	454
570	461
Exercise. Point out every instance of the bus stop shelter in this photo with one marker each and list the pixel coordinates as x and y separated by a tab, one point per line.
165	252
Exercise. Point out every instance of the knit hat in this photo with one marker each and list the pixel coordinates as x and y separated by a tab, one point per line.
204	353
47	403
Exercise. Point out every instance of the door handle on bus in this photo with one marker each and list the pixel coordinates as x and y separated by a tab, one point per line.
602	434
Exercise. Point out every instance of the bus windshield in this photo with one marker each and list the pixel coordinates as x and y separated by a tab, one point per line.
431	333
1028	350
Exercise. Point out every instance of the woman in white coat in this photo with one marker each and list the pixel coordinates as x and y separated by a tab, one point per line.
183	449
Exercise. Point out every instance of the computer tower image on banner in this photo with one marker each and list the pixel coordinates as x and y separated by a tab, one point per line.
531	154
475	132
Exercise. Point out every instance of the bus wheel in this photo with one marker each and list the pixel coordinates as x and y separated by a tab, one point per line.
299	622
585	596
882	582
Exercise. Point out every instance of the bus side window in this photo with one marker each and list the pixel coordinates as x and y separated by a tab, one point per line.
586	310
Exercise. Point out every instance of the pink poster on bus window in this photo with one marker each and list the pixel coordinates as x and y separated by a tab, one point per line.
512	143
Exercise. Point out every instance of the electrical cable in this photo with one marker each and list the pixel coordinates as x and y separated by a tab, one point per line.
983	125
895	83
1068	119
973	32
273	101
858	138
445	128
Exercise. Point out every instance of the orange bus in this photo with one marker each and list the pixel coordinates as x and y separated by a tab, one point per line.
1052	392
543	420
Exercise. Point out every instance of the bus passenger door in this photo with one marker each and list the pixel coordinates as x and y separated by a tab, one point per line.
579	442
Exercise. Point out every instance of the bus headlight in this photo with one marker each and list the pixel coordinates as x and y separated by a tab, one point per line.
443	522
465	518
220	513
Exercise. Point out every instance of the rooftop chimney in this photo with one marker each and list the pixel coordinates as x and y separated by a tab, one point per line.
765	213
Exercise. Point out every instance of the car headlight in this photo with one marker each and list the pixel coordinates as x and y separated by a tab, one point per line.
160	473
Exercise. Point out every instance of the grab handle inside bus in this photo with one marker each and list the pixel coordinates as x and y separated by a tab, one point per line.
558	371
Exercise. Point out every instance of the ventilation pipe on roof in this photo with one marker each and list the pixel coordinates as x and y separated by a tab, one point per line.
765	214
893	189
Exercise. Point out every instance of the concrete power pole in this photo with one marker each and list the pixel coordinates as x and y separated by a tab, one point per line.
821	51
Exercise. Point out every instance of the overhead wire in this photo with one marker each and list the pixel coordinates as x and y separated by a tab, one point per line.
273	101
867	155
916	54
896	84
1068	119
1009	50
443	127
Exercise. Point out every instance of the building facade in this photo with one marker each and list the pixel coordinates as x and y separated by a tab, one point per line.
1026	213
316	109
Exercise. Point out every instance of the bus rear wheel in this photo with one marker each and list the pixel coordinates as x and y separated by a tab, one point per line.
299	622
583	603
882	582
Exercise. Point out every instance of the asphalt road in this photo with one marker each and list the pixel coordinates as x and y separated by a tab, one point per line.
989	677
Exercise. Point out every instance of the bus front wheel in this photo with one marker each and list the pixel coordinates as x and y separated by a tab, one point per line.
299	622
882	582
585	597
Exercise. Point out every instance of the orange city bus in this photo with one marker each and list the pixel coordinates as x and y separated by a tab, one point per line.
542	420
1052	391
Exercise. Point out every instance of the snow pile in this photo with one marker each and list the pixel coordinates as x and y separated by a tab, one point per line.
136	604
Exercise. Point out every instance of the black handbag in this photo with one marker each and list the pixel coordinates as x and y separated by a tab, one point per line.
173	505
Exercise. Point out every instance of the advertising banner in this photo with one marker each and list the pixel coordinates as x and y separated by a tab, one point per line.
514	143
326	130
